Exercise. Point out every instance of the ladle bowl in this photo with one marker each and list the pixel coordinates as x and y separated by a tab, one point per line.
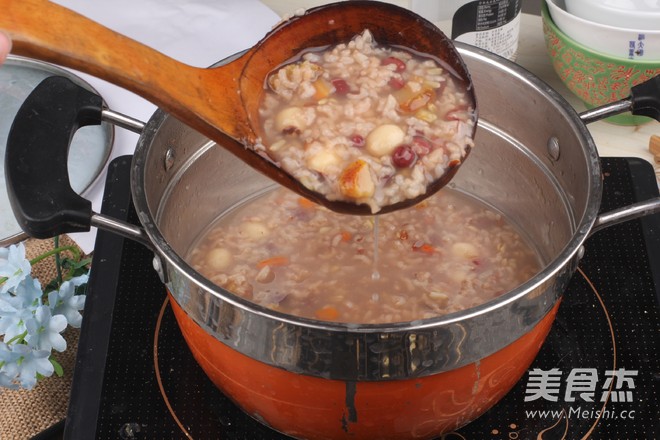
222	102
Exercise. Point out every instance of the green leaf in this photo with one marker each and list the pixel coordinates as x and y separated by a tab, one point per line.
69	263
53	285
58	368
75	268
18	339
81	290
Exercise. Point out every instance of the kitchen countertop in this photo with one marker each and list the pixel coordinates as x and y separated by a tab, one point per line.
611	140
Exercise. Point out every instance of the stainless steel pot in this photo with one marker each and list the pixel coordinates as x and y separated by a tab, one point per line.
535	161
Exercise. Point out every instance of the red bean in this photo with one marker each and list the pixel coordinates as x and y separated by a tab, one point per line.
396	83
421	145
456	114
341	86
403	156
357	140
399	65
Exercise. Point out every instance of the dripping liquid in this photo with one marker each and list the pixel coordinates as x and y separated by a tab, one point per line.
375	275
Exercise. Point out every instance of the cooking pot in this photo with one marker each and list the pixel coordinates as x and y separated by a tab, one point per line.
534	161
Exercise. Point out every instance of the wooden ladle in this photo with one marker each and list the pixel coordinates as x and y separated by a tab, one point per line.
222	102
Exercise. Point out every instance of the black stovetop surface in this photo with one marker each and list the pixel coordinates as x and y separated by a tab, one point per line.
135	377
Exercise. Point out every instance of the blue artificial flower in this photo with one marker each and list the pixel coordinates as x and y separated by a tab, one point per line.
31	363
44	331
7	355
14	266
30	328
8	367
7	382
65	302
13	319
27	294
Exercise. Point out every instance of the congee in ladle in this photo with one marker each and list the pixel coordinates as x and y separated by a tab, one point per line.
366	123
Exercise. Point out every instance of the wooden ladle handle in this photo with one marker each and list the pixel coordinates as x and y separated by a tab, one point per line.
46	31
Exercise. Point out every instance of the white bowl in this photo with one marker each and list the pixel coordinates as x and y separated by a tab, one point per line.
609	40
631	14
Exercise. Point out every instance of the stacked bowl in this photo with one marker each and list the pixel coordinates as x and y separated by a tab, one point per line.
601	48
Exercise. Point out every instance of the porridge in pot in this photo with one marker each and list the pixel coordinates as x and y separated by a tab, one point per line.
443	255
366	123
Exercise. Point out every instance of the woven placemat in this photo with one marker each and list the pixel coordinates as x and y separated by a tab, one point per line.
23	413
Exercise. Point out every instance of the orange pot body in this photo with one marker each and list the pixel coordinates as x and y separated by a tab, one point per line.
310	407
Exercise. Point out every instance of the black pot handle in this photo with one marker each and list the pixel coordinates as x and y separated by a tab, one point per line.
36	158
644	100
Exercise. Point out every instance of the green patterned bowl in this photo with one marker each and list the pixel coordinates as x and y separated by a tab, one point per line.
594	77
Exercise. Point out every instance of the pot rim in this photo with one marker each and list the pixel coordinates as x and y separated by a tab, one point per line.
562	260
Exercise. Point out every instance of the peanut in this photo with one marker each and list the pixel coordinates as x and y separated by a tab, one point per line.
384	139
323	160
291	119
